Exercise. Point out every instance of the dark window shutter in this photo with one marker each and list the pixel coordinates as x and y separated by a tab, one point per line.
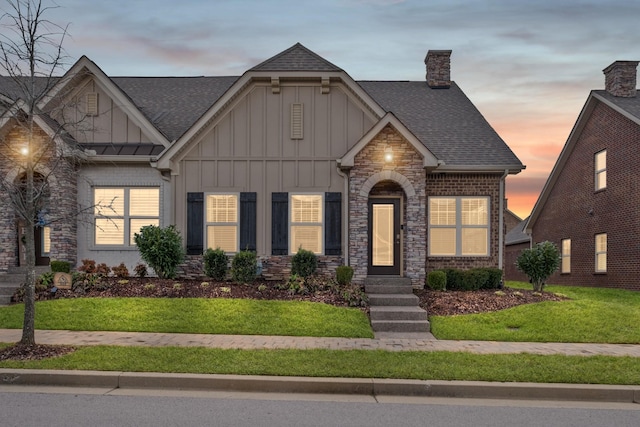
333	223
248	215
195	223
279	223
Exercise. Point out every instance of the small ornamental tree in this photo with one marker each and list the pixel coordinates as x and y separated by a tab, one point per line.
161	248
538	263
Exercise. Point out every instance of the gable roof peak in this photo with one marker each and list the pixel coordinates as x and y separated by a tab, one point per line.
296	58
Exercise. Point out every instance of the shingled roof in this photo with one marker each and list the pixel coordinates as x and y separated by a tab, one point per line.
296	58
444	120
629	104
173	104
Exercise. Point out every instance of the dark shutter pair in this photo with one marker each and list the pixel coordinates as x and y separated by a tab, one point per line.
332	223
195	222
279	223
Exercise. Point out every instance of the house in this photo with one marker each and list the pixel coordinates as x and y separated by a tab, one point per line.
515	241
391	177
589	204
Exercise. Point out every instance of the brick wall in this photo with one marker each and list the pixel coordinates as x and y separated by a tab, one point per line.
511	254
576	211
485	185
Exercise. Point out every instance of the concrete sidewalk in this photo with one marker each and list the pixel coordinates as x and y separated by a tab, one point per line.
413	342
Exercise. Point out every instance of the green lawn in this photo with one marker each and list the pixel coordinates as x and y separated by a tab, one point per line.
194	315
350	364
591	315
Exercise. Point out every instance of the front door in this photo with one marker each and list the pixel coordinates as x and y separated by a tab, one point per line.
384	237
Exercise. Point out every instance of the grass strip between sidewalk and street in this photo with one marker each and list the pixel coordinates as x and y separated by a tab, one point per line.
349	364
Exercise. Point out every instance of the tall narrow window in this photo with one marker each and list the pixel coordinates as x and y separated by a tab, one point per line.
600	162
566	256
119	213
306	223
46	240
601	253
222	222
459	226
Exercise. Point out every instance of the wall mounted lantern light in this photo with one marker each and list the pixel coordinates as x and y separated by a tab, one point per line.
388	154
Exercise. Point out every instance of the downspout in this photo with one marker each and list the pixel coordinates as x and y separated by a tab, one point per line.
501	222
345	214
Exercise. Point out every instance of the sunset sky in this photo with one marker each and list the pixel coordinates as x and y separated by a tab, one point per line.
527	65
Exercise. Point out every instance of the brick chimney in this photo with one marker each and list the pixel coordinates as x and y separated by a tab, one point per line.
438	64
620	78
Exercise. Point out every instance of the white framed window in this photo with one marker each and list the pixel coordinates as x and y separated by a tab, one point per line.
600	162
306	222
222	229
601	253
566	256
120	212
458	226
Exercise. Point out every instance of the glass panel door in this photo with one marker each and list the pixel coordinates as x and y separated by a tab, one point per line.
384	237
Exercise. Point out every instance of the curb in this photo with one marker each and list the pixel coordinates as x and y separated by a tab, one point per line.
311	385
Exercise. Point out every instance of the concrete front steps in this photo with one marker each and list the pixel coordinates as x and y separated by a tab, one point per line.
393	308
12	280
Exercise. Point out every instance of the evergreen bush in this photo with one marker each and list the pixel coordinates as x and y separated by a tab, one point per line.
304	263
344	274
60	266
244	266
161	248
437	280
215	264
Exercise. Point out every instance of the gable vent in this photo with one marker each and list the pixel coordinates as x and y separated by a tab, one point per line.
296	121
92	104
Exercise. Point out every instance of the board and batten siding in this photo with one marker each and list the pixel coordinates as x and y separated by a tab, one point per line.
110	124
248	148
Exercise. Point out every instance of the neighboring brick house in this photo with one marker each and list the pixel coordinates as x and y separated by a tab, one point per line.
391	177
516	241
589	205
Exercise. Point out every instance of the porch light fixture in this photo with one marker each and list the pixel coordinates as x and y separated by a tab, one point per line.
388	154
24	151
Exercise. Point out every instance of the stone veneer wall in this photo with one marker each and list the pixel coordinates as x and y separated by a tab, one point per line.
406	170
62	205
276	267
469	185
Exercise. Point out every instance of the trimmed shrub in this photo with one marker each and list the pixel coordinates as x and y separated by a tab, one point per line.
120	271
140	270
437	280
215	264
344	274
304	263
60	266
495	279
243	267
454	279
161	248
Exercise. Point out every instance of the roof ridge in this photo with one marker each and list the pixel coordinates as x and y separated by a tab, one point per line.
296	58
